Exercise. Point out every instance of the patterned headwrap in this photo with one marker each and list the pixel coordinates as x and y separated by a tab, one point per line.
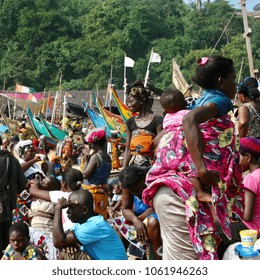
250	145
139	91
95	135
249	87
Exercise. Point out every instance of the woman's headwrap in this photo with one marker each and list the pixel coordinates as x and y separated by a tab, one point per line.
249	87
250	145
95	135
139	91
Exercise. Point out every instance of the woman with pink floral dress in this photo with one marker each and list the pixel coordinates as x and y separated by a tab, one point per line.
204	147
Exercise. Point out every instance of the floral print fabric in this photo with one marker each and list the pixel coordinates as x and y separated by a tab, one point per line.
254	121
29	253
173	167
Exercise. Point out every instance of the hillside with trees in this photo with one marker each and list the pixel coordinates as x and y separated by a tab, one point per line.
80	40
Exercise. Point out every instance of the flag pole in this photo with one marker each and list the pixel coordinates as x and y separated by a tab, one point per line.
14	108
64	111
43	103
110	92
46	112
125	82
147	71
54	107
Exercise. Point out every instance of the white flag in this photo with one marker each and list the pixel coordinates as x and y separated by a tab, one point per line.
129	62
155	57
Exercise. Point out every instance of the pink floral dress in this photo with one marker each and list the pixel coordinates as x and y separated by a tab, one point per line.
173	167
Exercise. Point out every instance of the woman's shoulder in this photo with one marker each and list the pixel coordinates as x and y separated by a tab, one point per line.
158	119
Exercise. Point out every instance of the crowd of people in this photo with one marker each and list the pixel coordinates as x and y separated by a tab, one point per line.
188	184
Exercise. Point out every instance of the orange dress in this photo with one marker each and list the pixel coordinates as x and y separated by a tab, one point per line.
115	158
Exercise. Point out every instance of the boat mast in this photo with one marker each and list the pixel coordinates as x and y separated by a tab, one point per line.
246	35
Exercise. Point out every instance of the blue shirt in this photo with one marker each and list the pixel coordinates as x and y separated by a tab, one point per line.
223	103
140	207
101	174
99	239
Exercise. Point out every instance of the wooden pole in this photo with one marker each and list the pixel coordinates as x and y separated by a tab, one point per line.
246	35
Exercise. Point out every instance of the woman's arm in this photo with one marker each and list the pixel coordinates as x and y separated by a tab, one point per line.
249	205
192	133
27	164
38	193
127	154
90	166
127	206
243	121
129	215
146	213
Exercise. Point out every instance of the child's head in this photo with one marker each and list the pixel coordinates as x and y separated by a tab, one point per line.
132	178
71	179
172	100
110	190
216	72
249	152
81	206
19	236
117	188
50	183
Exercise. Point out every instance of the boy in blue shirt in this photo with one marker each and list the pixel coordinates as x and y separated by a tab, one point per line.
98	239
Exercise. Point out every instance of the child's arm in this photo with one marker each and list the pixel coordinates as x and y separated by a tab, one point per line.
250	198
117	205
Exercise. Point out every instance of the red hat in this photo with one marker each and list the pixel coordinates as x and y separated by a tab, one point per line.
95	135
250	145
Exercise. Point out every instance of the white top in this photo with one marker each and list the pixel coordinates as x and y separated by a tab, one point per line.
55	196
33	169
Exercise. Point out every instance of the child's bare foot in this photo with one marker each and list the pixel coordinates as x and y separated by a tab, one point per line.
204	197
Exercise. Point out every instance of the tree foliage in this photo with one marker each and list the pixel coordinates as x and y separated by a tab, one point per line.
81	40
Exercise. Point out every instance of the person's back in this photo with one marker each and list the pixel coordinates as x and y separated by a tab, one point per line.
99	239
12	182
249	112
101	173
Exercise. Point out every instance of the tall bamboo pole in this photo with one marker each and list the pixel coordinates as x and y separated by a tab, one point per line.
246	35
